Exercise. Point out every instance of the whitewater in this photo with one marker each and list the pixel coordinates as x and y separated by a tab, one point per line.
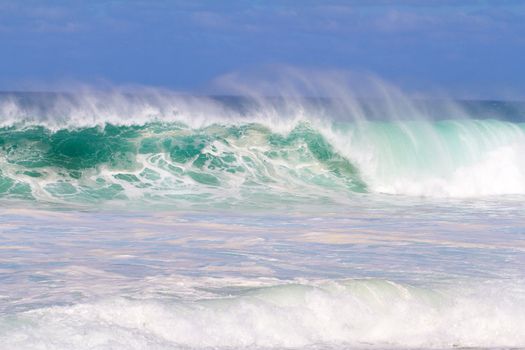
155	220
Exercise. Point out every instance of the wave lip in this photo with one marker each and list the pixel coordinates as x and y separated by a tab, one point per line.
355	313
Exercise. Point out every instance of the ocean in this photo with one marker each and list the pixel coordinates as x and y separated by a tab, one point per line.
165	221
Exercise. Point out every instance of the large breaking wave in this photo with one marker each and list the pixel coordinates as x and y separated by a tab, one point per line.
242	151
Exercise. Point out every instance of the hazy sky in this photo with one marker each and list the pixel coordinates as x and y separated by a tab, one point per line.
466	47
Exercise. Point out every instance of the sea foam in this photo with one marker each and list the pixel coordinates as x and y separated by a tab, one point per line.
353	313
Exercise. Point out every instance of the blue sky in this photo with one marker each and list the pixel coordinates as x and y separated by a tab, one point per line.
468	48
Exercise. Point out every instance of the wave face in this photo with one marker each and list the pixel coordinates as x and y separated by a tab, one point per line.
163	161
353	313
230	152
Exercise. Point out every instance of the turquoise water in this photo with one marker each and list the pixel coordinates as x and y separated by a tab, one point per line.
170	222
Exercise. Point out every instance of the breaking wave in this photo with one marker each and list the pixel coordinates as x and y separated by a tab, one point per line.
239	151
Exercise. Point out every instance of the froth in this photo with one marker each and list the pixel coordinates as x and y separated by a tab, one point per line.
366	313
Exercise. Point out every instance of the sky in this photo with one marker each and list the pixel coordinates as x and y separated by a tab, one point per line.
466	48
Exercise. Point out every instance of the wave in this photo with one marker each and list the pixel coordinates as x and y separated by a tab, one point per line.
352	313
237	151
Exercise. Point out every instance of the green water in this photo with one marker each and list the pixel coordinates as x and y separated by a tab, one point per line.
104	163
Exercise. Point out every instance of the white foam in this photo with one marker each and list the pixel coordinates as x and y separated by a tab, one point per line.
366	313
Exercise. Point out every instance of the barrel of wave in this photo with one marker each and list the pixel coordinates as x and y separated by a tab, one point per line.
447	158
